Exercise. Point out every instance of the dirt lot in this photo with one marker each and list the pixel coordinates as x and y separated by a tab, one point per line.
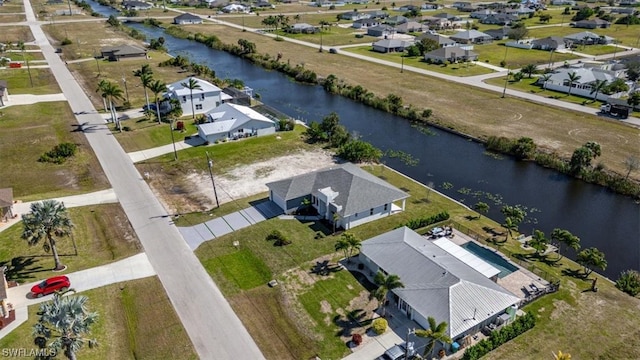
195	192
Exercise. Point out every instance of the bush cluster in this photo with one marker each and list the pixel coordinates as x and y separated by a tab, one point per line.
426	221
497	338
523	148
356	339
629	282
280	239
379	325
60	153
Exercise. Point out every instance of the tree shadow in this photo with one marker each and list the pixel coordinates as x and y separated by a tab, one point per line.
578	274
324	268
350	321
21	268
320	226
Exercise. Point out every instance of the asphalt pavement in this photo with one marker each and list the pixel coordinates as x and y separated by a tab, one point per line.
214	329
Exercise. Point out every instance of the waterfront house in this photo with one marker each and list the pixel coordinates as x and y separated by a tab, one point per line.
232	121
344	195
136	5
187	18
205	98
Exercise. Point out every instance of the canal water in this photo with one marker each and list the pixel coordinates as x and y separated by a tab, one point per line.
455	166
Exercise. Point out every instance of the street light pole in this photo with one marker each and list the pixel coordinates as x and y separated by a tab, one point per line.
126	90
402	63
320	40
210	164
506	80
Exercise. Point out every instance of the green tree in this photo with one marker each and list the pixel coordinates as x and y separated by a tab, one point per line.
146	77
426	45
539	242
634	99
573	78
516	213
158	87
395	103
102	85
247	46
359	151
354	243
330	84
544	18
583	14
385	284
597	87
518	31
47	220
580	159
529	69
113	92
434	334
481	207
545	79
616	86
590	259
564	237
192	84
342	244
510	226
64	323
524	148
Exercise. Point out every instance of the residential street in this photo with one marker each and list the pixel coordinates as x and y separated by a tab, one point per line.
213	327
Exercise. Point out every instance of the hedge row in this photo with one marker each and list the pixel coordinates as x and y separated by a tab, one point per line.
426	221
497	338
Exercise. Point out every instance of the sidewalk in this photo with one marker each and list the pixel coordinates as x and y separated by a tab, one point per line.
131	268
98	197
141	155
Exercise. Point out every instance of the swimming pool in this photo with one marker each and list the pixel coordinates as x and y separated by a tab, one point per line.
492	258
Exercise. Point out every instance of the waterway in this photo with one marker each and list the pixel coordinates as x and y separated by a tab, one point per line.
453	165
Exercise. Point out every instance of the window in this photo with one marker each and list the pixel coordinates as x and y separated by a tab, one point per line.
202	96
371	211
184	99
386	207
199	107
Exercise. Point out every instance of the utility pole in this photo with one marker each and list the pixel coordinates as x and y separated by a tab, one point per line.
126	91
210	164
506	80
406	342
401	63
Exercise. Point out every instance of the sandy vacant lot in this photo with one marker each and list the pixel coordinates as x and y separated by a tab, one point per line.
250	179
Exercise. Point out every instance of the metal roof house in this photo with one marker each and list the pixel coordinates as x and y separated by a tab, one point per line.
351	194
437	283
231	121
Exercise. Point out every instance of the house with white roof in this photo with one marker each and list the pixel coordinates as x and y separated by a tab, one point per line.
345	195
586	76
442	280
205	98
232	121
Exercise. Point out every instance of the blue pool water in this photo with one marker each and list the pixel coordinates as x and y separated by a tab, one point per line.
492	258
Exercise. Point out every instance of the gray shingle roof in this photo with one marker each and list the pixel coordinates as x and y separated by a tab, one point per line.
357	189
436	283
187	16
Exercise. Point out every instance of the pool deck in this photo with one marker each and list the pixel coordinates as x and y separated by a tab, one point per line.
517	281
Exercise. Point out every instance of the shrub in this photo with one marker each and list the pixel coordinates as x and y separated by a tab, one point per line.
426	221
60	153
280	239
66	41
497	338
629	282
379	325
356	339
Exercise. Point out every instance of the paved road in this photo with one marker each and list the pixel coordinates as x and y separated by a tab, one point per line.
214	329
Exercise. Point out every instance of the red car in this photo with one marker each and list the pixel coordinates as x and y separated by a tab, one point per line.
51	285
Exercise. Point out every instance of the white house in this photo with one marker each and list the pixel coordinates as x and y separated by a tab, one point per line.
232	121
585	77
235	8
346	195
207	97
444	284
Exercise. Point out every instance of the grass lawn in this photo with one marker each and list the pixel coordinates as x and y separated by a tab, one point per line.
461	69
102	234
146	134
135	321
11	18
600	49
27	132
490	115
334	36
494	53
13	34
11	7
19	82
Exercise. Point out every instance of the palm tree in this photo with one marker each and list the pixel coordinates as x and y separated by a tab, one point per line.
481	207
562	236
529	69
591	258
102	85
157	87
511	226
343	245
192	84
435	333
47	220
545	78
113	92
539	242
64	323
146	77
385	284
22	49
562	356
354	243
597	86
573	77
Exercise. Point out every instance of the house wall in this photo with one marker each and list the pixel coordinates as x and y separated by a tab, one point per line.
577	91
211	100
365	216
278	201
